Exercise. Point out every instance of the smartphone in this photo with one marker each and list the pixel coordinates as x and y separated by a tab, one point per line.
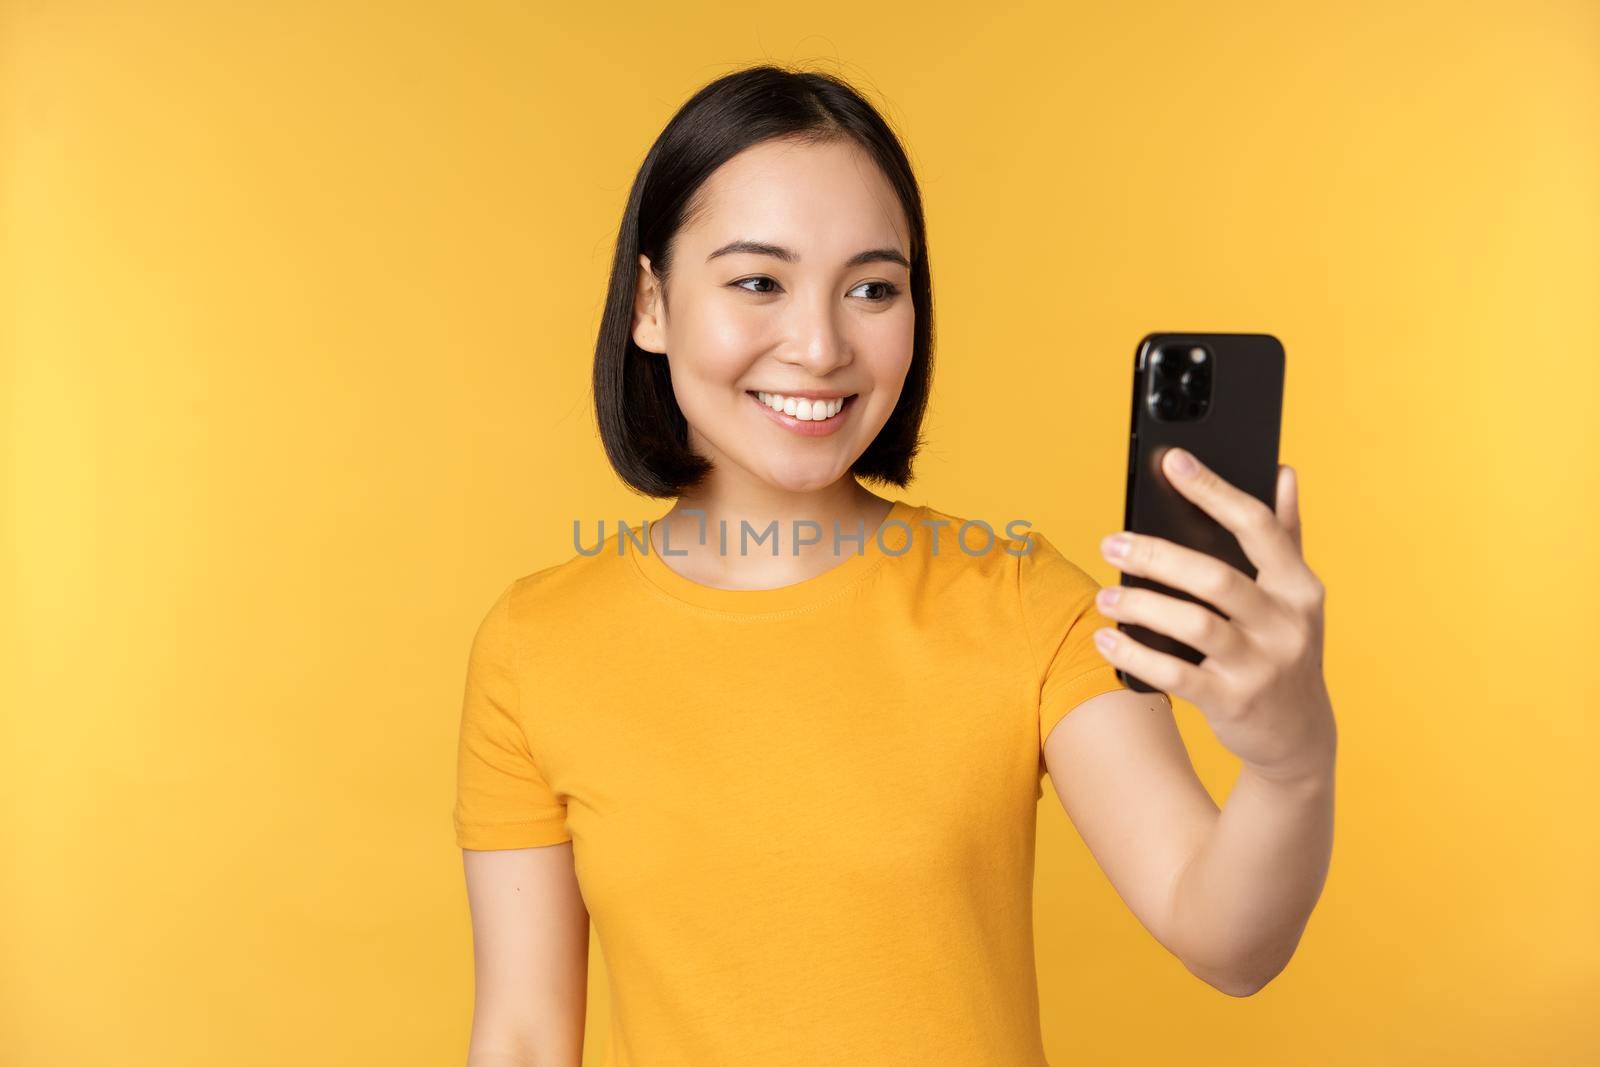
1220	396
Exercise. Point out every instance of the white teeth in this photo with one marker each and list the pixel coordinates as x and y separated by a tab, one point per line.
801	407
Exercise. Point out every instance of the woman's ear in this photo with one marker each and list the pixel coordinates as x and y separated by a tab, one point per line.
649	320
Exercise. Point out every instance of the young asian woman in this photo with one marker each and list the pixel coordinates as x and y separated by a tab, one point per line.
794	788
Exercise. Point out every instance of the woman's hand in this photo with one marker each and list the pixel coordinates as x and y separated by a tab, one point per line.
1260	685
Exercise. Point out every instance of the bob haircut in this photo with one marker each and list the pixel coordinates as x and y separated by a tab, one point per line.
645	434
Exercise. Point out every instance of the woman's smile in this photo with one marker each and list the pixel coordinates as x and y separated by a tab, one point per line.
802	415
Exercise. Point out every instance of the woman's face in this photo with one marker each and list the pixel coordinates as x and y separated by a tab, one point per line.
792	281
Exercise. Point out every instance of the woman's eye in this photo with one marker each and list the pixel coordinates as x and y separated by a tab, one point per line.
888	290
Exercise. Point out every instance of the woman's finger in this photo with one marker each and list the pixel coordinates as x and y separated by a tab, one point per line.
1288	509
1256	527
1218	583
1196	626
1168	673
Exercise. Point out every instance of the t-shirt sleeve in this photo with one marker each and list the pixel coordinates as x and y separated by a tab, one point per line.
502	799
1060	617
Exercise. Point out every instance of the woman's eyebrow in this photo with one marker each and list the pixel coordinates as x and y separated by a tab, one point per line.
788	255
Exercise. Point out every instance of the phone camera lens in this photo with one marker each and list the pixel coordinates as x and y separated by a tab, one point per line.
1168	403
1168	362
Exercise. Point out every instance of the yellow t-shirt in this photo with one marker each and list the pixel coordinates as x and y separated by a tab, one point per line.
802	818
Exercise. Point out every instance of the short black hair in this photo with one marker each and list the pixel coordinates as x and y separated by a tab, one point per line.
645	434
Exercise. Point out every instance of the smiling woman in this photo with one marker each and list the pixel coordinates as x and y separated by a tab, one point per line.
794	790
838	870
824	319
778	216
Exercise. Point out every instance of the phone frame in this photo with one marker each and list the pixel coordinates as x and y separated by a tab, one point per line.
1237	436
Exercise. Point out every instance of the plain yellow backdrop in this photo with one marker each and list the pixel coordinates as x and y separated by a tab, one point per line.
299	308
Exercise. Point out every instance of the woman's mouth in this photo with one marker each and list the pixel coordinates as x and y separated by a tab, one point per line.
812	418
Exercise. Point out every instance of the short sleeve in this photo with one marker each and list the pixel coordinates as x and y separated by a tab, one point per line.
502	799
1060	616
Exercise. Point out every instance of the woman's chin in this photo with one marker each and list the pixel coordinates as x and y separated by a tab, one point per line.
802	477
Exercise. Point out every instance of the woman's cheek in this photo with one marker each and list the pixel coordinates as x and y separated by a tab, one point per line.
890	344
731	346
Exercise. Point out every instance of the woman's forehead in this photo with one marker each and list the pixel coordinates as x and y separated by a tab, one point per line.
822	201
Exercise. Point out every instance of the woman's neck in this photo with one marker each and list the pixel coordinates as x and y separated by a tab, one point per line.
781	521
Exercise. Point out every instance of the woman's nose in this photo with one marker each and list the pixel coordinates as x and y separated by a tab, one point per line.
820	341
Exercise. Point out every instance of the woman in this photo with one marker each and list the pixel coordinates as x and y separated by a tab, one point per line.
793	780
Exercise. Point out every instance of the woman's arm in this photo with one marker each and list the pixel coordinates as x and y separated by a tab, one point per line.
1245	897
1228	893
530	944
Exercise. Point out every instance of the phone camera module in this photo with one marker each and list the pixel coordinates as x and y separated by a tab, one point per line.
1180	385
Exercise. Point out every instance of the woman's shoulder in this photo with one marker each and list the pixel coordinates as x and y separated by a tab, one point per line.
974	530
580	577
1010	548
1002	540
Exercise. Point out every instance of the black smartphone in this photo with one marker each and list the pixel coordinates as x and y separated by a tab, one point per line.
1220	396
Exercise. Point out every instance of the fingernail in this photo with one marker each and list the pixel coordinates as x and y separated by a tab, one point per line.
1116	546
1105	638
1108	596
1182	462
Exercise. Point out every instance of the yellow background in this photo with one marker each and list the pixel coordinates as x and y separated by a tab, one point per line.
299	307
